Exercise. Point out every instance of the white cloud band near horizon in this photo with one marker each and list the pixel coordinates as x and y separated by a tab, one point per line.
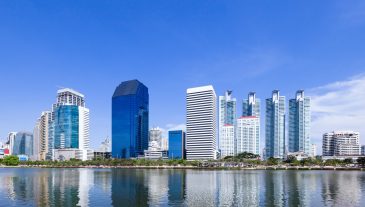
338	106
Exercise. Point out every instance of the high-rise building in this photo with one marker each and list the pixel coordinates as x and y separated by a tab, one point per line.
23	144
251	105
363	150
155	135
41	135
275	126
227	140
69	128
248	135
11	137
299	123
130	119
227	121
313	150
201	123
176	144
341	143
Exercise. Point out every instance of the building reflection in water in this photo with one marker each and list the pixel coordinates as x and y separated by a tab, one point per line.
141	187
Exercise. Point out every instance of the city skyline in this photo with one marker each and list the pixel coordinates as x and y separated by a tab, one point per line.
181	51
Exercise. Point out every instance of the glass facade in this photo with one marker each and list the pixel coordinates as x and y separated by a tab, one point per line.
66	127
177	144
299	124
23	144
130	119
275	126
251	106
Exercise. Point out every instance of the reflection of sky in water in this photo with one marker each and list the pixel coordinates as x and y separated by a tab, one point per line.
139	187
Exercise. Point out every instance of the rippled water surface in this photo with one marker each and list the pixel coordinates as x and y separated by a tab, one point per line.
140	187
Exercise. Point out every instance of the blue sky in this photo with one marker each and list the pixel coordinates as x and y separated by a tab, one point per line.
92	46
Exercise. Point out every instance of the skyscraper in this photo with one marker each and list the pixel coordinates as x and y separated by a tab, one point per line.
251	106
40	136
69	127
201	123
249	125
299	123
275	126
248	135
227	121
341	143
176	144
23	144
130	119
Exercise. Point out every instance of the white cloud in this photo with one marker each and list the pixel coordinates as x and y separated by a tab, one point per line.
170	127
338	106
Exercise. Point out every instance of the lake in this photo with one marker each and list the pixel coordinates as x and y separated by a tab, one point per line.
168	187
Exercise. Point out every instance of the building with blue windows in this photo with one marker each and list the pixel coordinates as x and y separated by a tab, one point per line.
23	144
130	114
299	123
275	126
69	125
177	144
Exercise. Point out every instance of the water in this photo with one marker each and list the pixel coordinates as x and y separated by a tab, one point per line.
142	187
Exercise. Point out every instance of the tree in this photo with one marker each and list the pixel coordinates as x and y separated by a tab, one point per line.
348	161
247	155
291	159
272	161
361	161
11	160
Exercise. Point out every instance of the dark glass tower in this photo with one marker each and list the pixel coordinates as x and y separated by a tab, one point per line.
129	119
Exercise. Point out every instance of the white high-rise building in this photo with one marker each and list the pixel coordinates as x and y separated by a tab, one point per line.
341	143
248	135
155	135
201	123
227	121
227	140
313	150
40	136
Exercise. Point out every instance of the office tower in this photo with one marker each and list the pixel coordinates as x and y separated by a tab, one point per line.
299	123
248	135
227	120
363	150
155	135
201	123
23	144
251	106
176	144
341	143
130	119
69	128
41	135
275	126
11	137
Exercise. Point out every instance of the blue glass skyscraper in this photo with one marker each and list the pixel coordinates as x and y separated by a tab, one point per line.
299	123
275	126
177	144
130	119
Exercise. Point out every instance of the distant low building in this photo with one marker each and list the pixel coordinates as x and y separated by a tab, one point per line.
69	153
341	143
298	155
104	151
